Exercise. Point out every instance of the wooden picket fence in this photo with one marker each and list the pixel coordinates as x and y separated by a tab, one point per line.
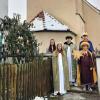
25	81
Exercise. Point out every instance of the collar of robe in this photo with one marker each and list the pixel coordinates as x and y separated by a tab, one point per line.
68	43
85	53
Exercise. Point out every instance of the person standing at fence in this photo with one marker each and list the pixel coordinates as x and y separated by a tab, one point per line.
52	46
50	50
69	47
85	72
60	71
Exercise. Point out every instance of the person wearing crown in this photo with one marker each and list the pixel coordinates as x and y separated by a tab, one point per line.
85	39
85	72
91	48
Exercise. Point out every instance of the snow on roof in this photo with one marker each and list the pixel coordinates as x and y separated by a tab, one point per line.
95	3
44	21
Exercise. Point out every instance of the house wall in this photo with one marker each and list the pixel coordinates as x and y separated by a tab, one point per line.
92	25
44	39
63	10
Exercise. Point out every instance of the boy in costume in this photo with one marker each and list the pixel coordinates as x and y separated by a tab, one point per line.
85	68
69	47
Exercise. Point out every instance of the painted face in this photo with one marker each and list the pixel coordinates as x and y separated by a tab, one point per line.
59	46
85	37
85	47
52	42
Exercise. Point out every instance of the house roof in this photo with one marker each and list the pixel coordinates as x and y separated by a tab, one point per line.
45	22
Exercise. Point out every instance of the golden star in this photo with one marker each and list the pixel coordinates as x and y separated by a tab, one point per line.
77	54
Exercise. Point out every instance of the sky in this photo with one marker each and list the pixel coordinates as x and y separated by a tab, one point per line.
19	7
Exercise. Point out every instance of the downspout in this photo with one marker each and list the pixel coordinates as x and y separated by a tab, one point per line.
78	8
77	11
80	17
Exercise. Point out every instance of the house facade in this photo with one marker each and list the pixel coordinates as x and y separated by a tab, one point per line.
46	27
79	15
92	23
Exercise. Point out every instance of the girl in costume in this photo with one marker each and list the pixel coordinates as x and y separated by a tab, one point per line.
60	71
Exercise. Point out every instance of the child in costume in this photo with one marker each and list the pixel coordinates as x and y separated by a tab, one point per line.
60	71
52	46
69	47
85	75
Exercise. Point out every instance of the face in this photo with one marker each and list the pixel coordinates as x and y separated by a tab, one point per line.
69	40
85	47
52	42
59	46
85	37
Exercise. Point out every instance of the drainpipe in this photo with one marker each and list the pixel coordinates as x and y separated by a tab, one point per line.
81	17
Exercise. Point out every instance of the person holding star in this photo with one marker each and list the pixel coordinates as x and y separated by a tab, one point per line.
85	72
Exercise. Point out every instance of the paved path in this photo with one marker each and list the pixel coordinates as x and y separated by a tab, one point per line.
78	96
74	96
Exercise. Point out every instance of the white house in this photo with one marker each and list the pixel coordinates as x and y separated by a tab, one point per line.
46	27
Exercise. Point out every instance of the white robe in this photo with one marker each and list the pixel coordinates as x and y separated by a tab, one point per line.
69	60
61	74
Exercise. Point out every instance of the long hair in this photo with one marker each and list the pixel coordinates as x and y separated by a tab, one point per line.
61	48
57	51
50	47
60	51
